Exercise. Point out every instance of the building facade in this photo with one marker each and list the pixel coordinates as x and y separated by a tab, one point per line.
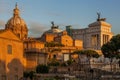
49	35
12	61
94	36
33	53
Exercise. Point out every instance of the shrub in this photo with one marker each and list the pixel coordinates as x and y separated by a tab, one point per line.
42	69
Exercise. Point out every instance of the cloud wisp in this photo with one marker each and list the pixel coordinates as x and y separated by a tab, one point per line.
2	24
36	29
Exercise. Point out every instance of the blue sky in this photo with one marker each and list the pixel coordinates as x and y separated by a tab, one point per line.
79	13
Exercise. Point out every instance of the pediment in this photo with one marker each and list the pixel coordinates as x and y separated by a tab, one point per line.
8	34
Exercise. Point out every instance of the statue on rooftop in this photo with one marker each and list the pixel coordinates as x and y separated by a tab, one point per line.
100	19
98	16
52	23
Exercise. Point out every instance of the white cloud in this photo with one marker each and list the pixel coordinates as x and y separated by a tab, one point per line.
2	24
36	29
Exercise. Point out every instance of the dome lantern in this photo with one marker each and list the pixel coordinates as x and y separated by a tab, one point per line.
16	11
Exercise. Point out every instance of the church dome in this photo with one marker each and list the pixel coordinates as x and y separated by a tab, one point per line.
17	24
16	21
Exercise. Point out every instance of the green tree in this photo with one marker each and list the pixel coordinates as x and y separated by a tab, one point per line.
53	44
42	69
89	54
31	74
69	62
53	62
58	49
25	74
116	41
111	49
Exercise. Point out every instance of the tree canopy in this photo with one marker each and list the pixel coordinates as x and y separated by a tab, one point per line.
88	53
53	44
112	48
42	69
53	62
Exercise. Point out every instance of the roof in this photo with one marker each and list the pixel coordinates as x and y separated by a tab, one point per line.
99	23
4	34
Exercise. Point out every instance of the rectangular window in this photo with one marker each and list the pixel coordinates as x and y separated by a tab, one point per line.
66	57
9	48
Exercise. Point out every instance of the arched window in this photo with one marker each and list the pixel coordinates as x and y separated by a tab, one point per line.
54	56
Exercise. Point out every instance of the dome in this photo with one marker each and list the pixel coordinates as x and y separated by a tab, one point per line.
54	29
17	25
16	21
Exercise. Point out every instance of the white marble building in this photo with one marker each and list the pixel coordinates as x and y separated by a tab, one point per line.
94	36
